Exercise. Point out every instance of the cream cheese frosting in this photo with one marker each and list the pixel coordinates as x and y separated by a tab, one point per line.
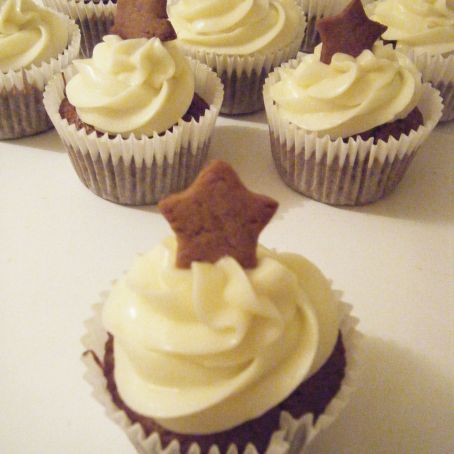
136	86
427	26
237	27
350	95
29	34
204	349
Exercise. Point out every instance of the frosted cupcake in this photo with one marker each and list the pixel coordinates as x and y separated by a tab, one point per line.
346	121
241	40
315	10
94	17
136	118
210	341
35	44
424	30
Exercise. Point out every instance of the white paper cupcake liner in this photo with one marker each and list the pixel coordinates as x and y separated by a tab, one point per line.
439	71
339	173
314	10
139	171
243	76
290	438
22	111
93	18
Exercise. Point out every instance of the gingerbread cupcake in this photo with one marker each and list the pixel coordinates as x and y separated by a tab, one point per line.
213	342
346	122
35	44
241	40
94	18
137	117
424	30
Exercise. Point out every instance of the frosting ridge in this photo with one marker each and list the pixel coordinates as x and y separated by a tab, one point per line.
427	26
29	34
350	95
136	86
204	349
238	27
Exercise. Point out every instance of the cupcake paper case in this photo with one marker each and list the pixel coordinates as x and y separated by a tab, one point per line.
22	111
242	73
93	17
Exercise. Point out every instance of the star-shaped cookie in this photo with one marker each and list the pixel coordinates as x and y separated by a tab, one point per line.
349	32
217	216
142	19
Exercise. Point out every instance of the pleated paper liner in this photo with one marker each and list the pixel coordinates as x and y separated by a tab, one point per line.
139	171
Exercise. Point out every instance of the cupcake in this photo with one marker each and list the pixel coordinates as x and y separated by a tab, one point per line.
211	341
137	117
346	121
241	40
35	44
94	17
424	30
315	10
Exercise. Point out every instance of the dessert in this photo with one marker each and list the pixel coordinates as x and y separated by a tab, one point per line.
137	117
214	340
35	44
241	40
424	30
346	121
94	18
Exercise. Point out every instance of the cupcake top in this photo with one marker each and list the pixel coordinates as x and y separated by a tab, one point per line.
238	27
205	346
29	34
345	89
139	86
426	26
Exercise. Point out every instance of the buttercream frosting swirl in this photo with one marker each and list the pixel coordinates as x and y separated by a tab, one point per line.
237	27
350	95
427	26
204	349
29	34
136	86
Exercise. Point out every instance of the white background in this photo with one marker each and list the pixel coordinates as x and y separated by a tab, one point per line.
61	246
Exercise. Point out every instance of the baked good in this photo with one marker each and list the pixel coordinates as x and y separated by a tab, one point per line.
35	44
424	30
94	18
125	122
241	40
214	340
346	121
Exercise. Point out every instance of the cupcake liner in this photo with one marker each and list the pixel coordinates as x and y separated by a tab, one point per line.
22	111
314	10
93	18
290	438
243	76
139	171
439	71
335	172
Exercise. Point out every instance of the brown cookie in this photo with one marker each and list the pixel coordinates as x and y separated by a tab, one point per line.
349	32
142	19
217	216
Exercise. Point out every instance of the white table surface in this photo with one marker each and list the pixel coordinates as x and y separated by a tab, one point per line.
61	246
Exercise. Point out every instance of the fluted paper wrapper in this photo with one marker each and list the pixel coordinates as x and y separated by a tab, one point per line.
139	171
243	76
314	10
93	18
439	71
22	112
338	173
290	438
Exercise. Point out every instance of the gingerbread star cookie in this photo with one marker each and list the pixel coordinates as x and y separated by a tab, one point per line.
349	32
142	19
217	216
